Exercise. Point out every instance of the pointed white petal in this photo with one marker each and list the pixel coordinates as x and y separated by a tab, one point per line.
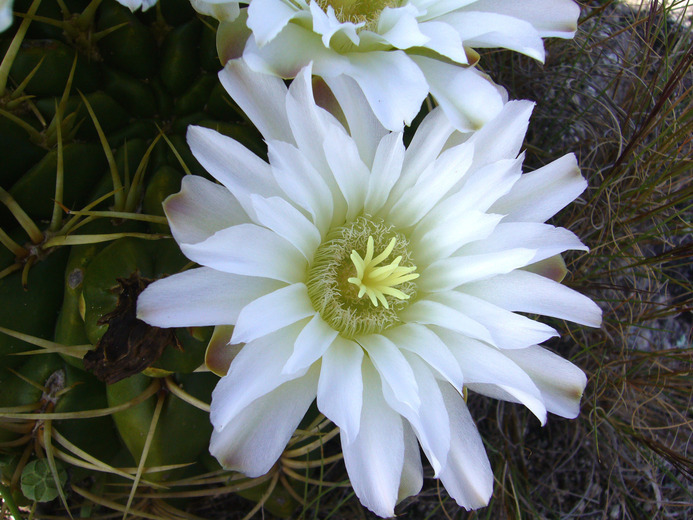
451	272
254	372
502	137
309	124
249	250
544	239
490	372
428	312
479	189
411	480
560	382
200	209
301	182
286	221
340	389
387	167
467	476
255	439
429	347
200	297
364	127
392	367
508	330
430	421
313	341
232	164
436	240
539	195
528	292
348	169
260	96
433	184
272	312
375	459
425	147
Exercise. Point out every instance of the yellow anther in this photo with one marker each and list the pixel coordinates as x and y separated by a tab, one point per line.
376	282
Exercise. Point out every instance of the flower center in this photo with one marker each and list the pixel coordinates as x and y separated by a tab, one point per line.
357	11
346	268
376	282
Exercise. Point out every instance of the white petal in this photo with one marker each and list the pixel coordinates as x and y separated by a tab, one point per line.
387	167
260	96
467	476
528	292
444	40
289	223
490	372
340	389
200	209
446	237
433	184
313	341
272	312
348	169
544	239
375	459
482	30
560	382
267	17
429	347
556	18
5	15
399	27
249	250
292	49
301	182
223	10
309	124
508	330
232	164
200	297
392	83
539	195
364	127
254	372
502	137
451	272
393	368
468	98
430	421
411	480
255	439
425	146
429	312
232	36
479	189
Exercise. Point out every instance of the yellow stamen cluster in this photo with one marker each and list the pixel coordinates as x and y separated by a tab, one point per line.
376	282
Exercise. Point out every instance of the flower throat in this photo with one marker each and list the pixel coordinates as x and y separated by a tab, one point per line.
361	277
357	11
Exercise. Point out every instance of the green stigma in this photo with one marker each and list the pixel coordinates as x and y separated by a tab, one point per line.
346	268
